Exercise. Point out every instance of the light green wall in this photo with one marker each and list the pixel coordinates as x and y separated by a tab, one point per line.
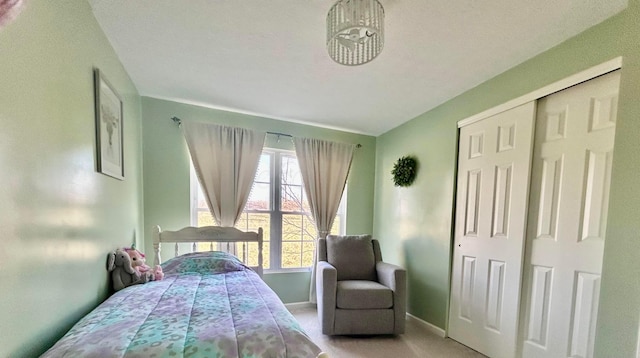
619	314
291	287
166	174
414	224
58	217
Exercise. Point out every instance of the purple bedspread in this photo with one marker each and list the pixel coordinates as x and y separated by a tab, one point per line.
190	314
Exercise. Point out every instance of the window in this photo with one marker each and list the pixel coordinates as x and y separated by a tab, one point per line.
278	204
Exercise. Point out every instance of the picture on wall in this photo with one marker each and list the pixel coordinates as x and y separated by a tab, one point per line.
109	131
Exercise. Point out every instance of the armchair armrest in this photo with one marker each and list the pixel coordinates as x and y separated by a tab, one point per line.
395	277
391	276
326	286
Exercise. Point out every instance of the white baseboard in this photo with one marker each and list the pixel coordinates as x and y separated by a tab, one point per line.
430	327
304	304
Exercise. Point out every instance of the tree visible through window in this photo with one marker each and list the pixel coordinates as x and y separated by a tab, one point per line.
279	205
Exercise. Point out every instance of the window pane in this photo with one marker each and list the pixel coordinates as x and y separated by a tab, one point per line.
291	227
202	203
251	222
335	228
297	227
307	253
291	254
290	170
305	202
259	199
291	198
310	232
298	233
260	196
205	246
297	254
263	174
205	218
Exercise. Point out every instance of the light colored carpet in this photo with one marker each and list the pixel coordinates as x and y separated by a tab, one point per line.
416	342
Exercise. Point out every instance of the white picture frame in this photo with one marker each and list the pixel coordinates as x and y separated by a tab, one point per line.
109	128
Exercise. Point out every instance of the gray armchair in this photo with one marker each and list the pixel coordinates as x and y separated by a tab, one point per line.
357	292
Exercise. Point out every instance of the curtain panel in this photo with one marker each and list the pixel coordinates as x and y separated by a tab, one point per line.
324	166
225	160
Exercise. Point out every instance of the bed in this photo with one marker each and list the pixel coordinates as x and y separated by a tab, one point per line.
209	304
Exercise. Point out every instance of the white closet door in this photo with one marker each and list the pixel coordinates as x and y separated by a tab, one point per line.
493	179
567	218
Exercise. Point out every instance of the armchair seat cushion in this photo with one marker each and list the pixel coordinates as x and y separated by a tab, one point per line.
363	295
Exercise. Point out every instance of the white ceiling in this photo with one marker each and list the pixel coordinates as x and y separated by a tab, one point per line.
268	58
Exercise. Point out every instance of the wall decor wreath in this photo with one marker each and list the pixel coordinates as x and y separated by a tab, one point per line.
404	171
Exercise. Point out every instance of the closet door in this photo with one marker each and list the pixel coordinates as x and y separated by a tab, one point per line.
567	218
493	180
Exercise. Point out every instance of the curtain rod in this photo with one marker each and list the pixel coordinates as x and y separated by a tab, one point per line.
280	134
290	136
178	121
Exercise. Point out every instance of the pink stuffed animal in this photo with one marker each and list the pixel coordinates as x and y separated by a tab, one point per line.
9	10
138	263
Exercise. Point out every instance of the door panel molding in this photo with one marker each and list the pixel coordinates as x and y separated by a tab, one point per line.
574	254
491	204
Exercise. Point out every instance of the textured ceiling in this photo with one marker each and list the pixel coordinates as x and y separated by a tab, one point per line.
268	58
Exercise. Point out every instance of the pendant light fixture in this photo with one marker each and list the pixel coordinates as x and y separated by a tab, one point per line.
355	31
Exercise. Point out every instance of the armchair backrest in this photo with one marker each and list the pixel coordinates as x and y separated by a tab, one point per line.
353	256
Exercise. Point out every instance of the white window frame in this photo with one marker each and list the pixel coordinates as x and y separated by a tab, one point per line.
275	211
193	194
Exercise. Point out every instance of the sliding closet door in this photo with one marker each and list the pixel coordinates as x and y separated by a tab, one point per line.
567	218
493	181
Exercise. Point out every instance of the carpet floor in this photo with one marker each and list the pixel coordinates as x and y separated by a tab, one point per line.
417	341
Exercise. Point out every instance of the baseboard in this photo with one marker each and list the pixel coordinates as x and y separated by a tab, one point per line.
304	304
430	327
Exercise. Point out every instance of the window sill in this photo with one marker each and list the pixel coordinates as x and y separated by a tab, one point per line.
291	270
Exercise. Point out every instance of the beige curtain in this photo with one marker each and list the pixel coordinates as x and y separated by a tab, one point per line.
225	160
324	166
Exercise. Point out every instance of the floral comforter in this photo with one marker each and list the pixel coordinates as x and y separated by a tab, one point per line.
208	305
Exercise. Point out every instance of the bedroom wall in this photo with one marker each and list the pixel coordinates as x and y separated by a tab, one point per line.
58	217
415	223
619	314
166	174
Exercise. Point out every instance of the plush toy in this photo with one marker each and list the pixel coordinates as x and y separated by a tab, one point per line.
122	272
138	263
9	10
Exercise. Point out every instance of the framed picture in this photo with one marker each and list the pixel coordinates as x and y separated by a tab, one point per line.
109	131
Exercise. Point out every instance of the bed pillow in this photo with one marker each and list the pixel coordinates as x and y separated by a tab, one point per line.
212	262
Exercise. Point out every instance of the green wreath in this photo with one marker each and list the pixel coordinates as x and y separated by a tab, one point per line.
404	171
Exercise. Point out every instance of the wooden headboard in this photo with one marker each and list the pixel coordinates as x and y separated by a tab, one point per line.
209	234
